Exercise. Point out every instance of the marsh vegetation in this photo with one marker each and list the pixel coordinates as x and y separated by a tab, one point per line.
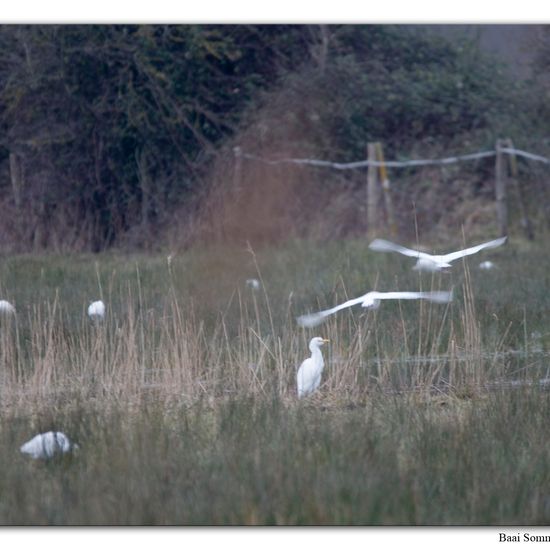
183	402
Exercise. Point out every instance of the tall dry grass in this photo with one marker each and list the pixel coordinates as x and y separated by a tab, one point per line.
251	347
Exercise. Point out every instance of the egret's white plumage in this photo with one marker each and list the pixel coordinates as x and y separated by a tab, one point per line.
432	262
309	373
96	310
47	445
254	284
372	300
486	265
6	307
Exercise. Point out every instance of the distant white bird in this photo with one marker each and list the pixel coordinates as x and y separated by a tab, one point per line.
6	307
47	445
309	373
372	300
96	310
486	265
430	262
254	284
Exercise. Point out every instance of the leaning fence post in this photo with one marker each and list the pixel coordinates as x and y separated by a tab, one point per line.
525	221
372	190
500	190
388	201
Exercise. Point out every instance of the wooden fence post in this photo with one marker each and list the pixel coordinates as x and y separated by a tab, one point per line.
500	190
372	191
145	185
16	175
237	169
513	165
388	201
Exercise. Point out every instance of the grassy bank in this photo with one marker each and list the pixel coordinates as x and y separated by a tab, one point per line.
394	461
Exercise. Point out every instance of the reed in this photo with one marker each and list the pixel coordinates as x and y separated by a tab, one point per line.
249	344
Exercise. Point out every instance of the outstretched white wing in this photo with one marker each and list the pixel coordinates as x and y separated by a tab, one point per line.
473	250
314	319
440	296
381	245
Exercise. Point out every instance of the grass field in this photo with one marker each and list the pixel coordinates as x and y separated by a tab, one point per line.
184	403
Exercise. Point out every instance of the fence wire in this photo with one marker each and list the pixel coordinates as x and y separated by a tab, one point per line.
394	163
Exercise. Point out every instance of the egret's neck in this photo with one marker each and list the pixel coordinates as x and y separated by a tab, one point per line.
316	354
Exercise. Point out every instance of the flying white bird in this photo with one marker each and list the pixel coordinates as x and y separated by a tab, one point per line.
430	262
6	307
309	373
96	310
372	300
47	445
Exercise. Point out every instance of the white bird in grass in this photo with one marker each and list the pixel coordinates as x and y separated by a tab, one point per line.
486	265
47	445
431	262
96	310
6	307
254	284
372	300
309	373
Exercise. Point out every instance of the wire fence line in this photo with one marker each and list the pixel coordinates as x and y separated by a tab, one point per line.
377	164
393	163
525	154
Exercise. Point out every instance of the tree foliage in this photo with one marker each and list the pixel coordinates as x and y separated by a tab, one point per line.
106	129
400	86
113	124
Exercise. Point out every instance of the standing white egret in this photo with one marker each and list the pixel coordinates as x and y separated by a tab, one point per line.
47	445
372	300
96	310
431	262
6	307
486	265
309	373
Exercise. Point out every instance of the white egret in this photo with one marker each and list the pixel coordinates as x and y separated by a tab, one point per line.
431	262
96	310
486	265
309	373
47	445
372	300
6	307
254	284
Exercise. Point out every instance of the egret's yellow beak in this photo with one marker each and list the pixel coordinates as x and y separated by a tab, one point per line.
325	340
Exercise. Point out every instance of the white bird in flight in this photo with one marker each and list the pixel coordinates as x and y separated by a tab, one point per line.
309	373
431	262
96	310
6	307
47	445
372	300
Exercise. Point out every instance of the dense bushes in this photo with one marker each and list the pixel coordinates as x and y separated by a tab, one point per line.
111	125
108	130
